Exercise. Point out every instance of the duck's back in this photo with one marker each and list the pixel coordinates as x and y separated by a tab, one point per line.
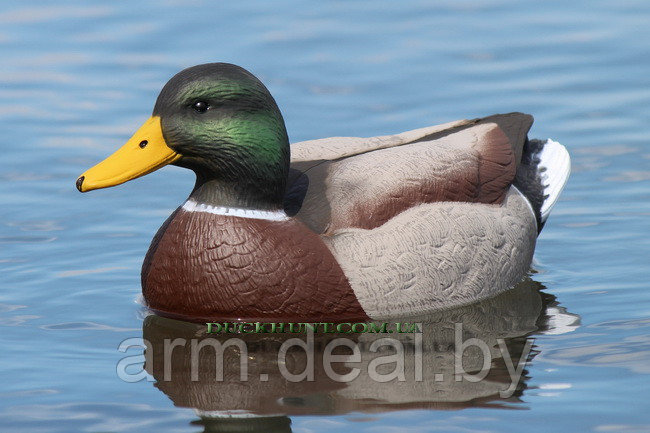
354	182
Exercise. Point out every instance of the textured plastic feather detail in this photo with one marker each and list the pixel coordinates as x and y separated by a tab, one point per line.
192	206
555	167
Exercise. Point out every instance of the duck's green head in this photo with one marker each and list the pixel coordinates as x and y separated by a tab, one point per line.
218	120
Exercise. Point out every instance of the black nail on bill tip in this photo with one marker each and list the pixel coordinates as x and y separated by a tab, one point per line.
80	182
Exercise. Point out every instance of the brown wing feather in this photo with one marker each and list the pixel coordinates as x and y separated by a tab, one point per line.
470	161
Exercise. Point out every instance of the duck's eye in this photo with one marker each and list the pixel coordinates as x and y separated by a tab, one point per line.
200	106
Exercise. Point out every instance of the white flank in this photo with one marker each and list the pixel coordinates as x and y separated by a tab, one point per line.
555	161
270	215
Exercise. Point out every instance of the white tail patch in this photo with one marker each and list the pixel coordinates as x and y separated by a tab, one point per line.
555	167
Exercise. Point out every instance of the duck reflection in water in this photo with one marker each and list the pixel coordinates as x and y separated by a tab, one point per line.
472	356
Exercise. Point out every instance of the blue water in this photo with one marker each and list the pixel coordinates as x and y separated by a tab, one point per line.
78	78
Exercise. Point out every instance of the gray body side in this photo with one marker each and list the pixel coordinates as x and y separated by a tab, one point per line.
438	255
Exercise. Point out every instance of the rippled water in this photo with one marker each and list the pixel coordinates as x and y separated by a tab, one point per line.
78	78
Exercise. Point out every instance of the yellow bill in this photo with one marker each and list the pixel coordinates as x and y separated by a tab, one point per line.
145	152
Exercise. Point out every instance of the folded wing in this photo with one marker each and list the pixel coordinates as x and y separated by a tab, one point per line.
345	182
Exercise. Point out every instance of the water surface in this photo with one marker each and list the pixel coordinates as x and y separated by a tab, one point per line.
78	78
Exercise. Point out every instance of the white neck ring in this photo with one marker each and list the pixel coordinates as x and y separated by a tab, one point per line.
269	215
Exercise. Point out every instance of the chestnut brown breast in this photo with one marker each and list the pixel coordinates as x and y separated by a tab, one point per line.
201	266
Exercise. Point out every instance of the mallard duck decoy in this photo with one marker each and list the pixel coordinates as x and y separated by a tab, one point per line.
337	228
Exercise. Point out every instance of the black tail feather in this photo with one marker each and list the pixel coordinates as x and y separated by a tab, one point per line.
529	180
